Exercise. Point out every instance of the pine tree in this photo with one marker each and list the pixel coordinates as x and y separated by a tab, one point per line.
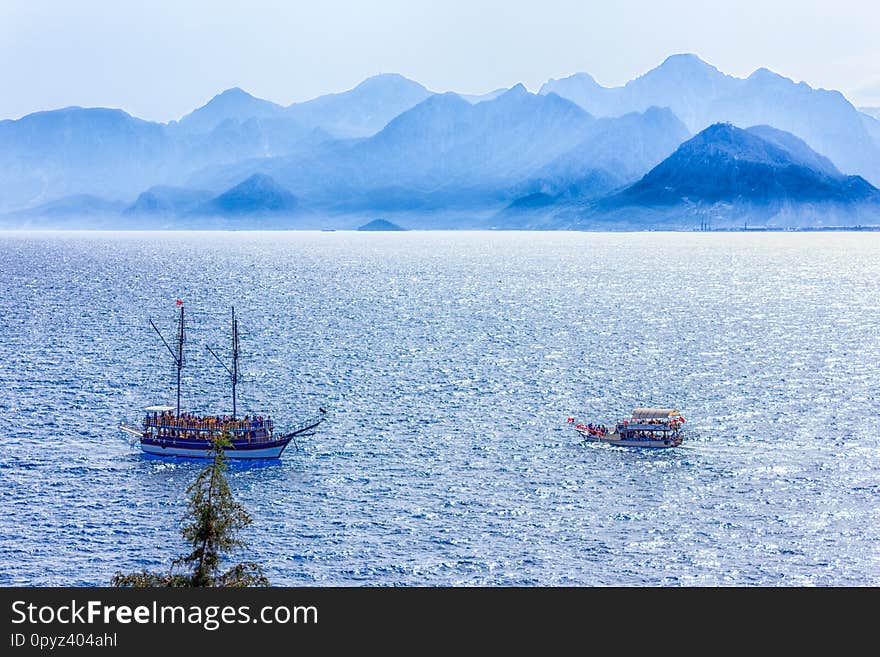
214	522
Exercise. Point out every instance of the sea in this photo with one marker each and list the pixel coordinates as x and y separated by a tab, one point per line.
449	363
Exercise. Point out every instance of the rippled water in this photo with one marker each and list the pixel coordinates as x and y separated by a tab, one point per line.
450	362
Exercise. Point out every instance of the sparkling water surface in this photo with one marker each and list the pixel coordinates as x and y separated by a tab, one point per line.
449	362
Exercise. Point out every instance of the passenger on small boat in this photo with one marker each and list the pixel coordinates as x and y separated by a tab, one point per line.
596	429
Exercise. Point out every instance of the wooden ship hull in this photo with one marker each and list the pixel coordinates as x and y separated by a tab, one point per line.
202	449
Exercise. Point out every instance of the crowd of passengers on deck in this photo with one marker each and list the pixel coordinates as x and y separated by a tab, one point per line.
167	419
645	435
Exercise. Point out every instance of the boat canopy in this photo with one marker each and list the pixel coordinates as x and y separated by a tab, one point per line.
654	413
159	409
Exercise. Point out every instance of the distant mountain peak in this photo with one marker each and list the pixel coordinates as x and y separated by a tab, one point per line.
236	95
167	200
581	78
766	75
448	99
584	78
516	93
233	91
719	130
388	79
78	112
683	64
364	110
258	194
258	181
656	112
686	59
233	103
380	225
433	107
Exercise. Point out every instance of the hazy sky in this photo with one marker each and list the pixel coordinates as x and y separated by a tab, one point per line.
162	58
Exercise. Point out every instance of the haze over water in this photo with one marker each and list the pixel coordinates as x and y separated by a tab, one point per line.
450	362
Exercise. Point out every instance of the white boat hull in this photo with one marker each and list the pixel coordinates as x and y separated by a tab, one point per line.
265	453
615	439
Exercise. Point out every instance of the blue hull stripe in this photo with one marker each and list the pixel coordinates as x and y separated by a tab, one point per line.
202	445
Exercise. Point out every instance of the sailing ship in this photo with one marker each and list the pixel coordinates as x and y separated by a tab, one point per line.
167	431
647	427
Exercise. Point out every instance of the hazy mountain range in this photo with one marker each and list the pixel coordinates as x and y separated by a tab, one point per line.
682	140
700	95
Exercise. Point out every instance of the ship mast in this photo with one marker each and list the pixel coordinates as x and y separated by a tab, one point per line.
233	373
234	361
178	357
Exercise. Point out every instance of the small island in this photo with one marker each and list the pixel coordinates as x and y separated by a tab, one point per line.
380	224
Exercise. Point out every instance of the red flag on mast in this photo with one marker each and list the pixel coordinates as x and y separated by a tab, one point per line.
179	302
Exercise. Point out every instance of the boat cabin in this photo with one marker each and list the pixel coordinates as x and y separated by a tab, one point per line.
651	424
